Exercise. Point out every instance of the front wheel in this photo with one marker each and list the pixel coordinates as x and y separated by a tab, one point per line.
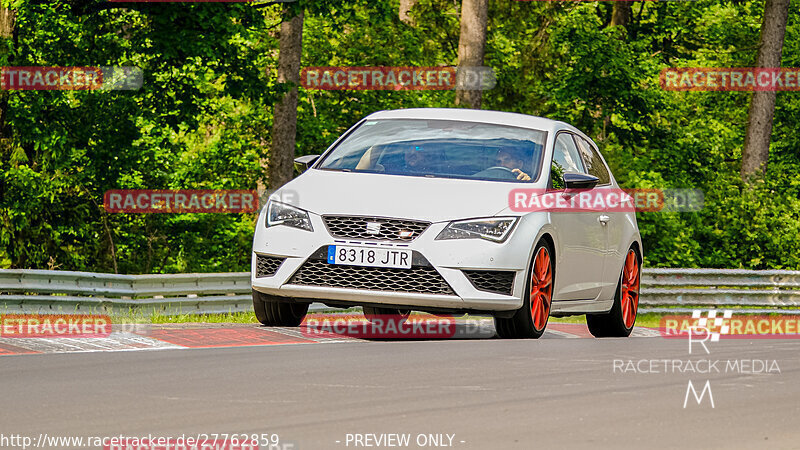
273	312
531	320
620	320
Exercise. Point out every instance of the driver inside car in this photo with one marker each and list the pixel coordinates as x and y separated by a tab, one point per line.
510	159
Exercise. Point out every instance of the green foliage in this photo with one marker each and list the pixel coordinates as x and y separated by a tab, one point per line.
196	123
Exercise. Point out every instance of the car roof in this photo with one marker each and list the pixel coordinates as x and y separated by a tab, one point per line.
475	115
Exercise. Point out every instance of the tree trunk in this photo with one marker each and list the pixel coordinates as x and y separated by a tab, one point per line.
472	46
7	18
621	14
284	128
7	31
762	106
405	7
7	21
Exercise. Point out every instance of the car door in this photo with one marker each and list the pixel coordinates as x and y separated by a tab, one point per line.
582	237
616	217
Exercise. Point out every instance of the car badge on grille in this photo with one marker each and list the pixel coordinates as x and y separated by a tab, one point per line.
405	233
373	228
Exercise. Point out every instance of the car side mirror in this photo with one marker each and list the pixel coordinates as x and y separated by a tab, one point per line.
306	161
579	181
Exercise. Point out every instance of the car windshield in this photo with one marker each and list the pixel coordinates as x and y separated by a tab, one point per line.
440	148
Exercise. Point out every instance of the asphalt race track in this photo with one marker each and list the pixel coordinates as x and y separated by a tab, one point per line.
562	391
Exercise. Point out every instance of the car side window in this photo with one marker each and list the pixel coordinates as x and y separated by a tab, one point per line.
593	161
565	160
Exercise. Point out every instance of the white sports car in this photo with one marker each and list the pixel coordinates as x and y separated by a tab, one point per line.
418	209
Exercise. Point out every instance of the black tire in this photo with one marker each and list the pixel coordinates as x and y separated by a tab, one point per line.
612	323
522	324
273	312
373	313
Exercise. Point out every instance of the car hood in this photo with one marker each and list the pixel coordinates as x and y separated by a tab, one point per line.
368	194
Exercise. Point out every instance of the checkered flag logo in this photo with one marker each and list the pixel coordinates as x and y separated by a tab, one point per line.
712	323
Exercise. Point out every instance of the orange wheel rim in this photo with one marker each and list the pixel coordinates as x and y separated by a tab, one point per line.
541	288
629	300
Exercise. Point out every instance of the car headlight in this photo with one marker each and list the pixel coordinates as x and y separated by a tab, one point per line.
494	229
281	214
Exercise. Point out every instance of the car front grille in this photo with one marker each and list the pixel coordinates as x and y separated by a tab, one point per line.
379	228
266	266
417	279
497	281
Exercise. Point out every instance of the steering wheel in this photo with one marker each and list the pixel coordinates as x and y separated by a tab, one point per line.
500	168
497	172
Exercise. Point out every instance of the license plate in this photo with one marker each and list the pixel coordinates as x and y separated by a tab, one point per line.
369	256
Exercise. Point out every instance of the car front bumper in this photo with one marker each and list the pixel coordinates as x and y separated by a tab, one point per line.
448	257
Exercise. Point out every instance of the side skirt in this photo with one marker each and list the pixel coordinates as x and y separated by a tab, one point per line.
576	307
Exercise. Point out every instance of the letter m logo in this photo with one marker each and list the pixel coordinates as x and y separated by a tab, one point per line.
699	399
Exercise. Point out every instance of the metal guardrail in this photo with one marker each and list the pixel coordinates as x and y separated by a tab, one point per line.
47	291
721	287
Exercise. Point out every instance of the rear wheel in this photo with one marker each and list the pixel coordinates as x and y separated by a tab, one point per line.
531	320
271	311
620	320
376	313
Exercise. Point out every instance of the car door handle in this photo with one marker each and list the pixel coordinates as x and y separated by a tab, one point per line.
603	219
